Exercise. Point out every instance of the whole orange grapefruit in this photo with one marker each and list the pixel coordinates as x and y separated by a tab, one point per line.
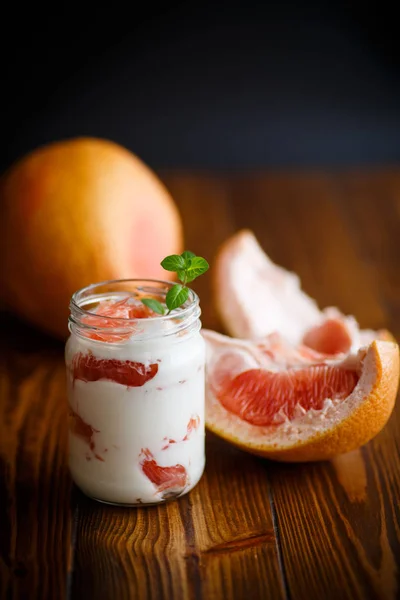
76	212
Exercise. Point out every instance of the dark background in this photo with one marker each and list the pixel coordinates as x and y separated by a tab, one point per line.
207	85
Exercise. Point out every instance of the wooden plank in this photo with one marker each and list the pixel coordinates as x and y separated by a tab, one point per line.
233	527
338	522
219	542
130	553
35	525
372	212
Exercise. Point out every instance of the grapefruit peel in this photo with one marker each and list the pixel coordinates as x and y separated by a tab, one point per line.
339	427
255	297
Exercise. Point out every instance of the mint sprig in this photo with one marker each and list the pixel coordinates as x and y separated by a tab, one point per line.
174	262
155	305
188	267
176	296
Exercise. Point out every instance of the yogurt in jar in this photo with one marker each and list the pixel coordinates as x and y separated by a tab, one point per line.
136	395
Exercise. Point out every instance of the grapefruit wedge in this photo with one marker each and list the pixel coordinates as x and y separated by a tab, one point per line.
293	403
254	297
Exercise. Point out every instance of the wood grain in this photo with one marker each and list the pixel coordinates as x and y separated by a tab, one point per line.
203	546
251	528
338	523
35	550
233	527
137	553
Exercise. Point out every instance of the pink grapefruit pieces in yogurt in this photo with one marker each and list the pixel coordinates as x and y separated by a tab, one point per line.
136	396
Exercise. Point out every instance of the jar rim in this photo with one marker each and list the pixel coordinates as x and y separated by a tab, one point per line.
76	306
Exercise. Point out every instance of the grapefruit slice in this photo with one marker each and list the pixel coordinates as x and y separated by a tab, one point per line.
294	403
107	315
83	430
169	481
254	297
87	367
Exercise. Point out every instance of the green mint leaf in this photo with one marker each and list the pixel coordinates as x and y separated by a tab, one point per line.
176	296
173	263
155	305
196	267
181	274
187	255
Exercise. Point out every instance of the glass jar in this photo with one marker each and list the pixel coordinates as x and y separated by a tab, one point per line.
136	395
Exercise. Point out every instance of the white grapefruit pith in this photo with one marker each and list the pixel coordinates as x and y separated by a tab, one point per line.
254	297
292	403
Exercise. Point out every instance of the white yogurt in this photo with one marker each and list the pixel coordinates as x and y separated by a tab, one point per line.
133	445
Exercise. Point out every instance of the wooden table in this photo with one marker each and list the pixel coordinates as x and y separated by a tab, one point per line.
252	528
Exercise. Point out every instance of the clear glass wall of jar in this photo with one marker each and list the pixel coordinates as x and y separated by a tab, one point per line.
136	396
